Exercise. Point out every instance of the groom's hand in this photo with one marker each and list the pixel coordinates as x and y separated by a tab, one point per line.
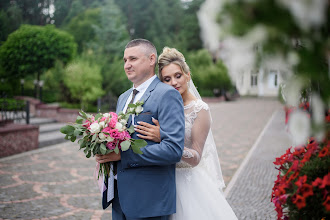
108	157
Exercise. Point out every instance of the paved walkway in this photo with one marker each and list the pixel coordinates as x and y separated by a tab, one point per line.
56	182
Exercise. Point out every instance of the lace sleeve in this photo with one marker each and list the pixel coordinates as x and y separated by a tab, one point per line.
199	131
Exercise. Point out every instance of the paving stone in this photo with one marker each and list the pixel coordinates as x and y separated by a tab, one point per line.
56	182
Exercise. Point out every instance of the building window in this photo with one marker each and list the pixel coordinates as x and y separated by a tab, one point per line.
275	80
254	80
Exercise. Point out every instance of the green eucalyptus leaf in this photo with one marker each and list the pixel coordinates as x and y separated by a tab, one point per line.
88	154
73	138
131	129
136	149
80	120
83	114
94	137
67	129
77	133
116	150
103	149
99	115
125	145
93	146
140	143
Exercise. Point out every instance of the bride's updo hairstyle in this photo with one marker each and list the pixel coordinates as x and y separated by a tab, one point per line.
169	56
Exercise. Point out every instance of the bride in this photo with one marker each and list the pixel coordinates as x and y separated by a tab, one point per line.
199	180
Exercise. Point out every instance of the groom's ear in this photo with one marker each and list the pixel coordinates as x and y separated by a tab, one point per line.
152	59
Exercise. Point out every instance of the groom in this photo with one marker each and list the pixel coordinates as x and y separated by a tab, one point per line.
145	185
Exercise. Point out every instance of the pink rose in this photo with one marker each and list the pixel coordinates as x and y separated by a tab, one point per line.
111	145
114	119
87	124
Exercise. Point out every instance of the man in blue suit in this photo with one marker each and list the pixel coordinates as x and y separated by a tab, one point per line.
145	185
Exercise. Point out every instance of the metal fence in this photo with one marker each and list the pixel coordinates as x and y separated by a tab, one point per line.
14	110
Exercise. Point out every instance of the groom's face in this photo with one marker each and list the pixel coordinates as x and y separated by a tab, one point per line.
138	66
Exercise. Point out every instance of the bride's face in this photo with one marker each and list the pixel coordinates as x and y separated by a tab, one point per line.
173	76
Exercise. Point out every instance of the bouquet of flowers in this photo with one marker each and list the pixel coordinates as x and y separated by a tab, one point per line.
105	133
302	188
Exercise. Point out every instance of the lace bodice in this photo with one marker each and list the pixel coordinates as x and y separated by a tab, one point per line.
197	125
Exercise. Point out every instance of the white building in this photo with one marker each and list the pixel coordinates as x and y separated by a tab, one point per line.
262	82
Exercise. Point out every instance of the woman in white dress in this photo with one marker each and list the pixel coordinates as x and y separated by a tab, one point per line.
199	180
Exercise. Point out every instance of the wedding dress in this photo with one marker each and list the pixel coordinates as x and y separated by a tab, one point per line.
199	180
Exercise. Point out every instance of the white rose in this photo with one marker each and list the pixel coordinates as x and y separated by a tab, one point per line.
102	124
109	139
106	115
138	109
95	128
119	126
122	121
102	136
130	109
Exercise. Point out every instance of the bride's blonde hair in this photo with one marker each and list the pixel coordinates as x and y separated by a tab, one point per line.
169	56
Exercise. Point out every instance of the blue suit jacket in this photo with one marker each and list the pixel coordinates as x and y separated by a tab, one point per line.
146	182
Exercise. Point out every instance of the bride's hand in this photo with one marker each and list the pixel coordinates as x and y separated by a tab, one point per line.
148	131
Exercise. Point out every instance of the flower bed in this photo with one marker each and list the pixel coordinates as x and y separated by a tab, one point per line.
302	188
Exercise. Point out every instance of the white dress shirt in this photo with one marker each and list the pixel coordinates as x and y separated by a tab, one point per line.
141	88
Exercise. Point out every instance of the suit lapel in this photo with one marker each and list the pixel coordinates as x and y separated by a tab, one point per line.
145	96
123	101
151	87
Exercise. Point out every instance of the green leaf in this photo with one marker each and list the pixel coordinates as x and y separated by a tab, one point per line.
79	120
136	149
77	133
93	145
137	144
88	154
131	129
83	114
140	143
103	149
94	137
99	115
116	150
73	138
82	144
125	145
67	129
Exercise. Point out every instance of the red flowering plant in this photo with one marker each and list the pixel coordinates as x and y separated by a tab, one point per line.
290	109
302	187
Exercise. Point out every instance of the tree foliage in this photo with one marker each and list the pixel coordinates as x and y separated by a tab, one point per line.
207	75
34	49
111	35
84	81
10	20
163	22
81	27
33	12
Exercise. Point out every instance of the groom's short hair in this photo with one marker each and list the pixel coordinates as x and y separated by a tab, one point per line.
149	47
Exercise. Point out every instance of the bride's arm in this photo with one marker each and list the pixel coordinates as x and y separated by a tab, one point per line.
199	132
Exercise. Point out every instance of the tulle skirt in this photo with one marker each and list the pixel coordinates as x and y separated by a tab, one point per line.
199	198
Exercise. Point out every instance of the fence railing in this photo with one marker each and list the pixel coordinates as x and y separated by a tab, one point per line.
14	110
